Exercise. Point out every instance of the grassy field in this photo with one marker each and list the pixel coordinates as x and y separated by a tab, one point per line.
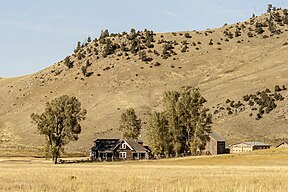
259	171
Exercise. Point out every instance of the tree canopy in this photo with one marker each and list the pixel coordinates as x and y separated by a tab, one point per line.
183	126
130	124
59	123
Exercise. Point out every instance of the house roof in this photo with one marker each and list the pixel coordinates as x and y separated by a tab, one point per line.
135	145
105	144
111	144
216	136
253	143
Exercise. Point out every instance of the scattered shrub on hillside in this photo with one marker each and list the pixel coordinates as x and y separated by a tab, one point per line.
277	88
184	49
109	48
68	62
135	46
228	101
259	28
237	33
284	88
157	64
104	34
211	42
246	97
173	33
187	35
143	56
78	47
250	34
84	69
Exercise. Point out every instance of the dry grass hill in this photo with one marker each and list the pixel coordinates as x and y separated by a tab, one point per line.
133	69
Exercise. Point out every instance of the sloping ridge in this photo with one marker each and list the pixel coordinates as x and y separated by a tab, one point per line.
227	62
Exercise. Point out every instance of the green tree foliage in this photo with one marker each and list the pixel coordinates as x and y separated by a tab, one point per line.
160	141
269	8
130	124
188	121
89	39
104	34
59	123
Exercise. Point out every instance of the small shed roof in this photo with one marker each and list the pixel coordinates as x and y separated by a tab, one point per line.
216	136
282	143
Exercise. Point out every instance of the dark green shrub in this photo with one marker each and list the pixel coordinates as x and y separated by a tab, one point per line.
277	88
68	62
211	42
104	34
187	35
157	64
228	101
246	97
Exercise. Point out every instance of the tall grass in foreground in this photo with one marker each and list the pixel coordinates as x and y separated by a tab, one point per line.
136	177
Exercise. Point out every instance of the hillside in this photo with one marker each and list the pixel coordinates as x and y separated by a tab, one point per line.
133	69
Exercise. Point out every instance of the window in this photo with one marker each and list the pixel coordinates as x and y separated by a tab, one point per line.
123	146
122	155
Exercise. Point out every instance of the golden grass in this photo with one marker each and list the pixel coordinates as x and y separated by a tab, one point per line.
256	172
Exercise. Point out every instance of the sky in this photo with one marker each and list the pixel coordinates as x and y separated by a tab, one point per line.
35	34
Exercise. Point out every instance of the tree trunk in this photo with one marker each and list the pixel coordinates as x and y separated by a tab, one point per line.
55	158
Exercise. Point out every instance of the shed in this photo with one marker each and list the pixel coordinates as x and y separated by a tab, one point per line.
215	145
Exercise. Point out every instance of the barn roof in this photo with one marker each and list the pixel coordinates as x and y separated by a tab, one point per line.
216	136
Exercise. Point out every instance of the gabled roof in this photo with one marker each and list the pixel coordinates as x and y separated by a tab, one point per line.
253	143
284	142
216	136
111	144
135	145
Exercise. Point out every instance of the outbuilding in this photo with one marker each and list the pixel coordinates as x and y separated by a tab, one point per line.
248	146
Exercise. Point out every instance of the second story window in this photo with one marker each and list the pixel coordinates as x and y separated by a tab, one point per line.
123	146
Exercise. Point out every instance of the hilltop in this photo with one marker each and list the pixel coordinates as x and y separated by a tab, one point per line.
237	62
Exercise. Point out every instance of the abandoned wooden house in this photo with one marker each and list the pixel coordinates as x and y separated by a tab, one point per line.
284	144
119	149
215	145
248	146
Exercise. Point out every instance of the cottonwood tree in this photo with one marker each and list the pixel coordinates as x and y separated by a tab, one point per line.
158	134
188	121
170	102
130	124
59	123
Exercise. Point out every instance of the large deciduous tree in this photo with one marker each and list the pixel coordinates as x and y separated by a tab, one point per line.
59	123
130	124
158	134
188	122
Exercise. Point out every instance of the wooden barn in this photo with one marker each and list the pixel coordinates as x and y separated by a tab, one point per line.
248	146
119	149
216	145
